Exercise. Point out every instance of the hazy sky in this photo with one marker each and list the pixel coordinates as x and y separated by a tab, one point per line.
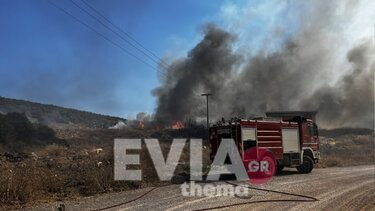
48	57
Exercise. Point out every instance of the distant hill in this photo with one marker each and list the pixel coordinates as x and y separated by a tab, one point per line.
56	116
333	133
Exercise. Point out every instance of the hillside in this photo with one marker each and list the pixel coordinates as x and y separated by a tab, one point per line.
56	116
336	132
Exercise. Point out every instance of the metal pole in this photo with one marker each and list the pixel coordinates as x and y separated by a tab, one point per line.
208	118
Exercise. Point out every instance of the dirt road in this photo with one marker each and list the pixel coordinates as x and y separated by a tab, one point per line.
347	188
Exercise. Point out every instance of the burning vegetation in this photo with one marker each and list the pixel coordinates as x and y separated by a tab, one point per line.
177	125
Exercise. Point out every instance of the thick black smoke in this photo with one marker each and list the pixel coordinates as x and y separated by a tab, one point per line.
299	76
208	65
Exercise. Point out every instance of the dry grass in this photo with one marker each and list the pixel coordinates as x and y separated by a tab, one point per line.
54	172
25	181
347	150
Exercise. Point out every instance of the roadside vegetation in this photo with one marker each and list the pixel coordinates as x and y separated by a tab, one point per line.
347	150
39	164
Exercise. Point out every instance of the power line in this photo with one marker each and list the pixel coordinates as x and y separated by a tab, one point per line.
103	36
125	33
124	39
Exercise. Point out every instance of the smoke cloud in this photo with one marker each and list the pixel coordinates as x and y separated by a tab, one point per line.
207	67
315	68
351	101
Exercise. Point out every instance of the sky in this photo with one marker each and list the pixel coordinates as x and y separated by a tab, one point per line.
47	56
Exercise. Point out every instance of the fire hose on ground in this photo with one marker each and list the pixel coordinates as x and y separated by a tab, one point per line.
306	198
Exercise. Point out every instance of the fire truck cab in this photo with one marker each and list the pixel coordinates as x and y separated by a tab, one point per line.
291	136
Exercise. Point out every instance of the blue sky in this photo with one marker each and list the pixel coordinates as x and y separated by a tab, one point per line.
48	57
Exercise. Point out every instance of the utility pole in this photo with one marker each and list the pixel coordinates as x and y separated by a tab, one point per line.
208	120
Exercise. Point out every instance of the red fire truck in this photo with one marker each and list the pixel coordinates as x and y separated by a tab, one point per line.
291	136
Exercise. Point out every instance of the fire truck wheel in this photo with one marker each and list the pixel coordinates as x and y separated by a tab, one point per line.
307	165
279	168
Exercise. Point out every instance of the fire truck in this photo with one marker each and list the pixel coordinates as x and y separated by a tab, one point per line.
292	137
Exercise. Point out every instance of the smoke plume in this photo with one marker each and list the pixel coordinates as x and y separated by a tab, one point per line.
207	67
311	70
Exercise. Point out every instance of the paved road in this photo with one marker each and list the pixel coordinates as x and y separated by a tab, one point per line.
347	188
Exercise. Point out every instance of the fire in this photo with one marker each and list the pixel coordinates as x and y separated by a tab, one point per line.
141	125
177	125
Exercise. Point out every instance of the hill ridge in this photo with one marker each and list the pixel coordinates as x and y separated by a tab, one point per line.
57	116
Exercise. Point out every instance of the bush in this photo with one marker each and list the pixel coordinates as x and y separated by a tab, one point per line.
17	133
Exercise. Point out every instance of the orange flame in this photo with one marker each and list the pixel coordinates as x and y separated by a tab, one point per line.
177	125
141	125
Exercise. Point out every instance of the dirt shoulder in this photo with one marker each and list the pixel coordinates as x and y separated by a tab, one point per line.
334	188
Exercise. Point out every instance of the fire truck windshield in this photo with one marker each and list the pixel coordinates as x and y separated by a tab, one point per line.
316	130
313	129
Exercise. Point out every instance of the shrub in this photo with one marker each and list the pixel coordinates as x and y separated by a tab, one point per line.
18	133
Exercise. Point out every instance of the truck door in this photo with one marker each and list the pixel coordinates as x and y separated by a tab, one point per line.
313	139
